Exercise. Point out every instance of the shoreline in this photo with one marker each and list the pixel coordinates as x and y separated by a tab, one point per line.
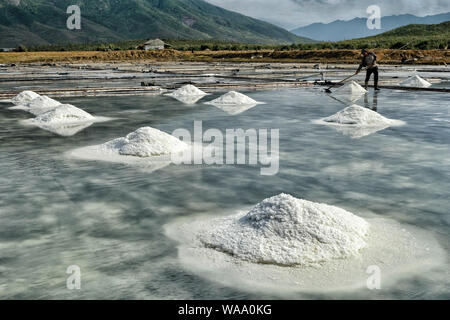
386	56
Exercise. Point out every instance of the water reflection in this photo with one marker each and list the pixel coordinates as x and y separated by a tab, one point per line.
108	217
374	106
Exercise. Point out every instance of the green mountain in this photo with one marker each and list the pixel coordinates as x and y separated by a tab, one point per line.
419	30
40	22
413	36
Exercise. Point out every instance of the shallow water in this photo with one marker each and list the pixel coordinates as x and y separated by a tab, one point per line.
109	218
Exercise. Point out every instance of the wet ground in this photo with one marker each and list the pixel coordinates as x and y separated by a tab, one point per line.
109	219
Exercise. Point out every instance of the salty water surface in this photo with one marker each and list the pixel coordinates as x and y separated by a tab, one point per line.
109	218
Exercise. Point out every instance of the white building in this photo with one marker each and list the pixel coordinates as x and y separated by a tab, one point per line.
155	44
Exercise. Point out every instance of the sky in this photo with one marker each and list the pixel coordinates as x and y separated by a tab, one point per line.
290	14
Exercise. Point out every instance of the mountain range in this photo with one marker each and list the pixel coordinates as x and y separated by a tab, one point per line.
357	28
42	22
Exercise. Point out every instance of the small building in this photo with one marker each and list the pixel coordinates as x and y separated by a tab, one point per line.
155	44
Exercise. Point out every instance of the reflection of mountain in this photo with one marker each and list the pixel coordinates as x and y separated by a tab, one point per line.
36	22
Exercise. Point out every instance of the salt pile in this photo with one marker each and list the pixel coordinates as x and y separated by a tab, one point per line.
188	94
147	147
357	115
147	142
64	113
38	105
351	91
187	90
24	97
233	98
286	245
415	81
357	122
284	230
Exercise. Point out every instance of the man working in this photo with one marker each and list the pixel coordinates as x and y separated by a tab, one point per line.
369	60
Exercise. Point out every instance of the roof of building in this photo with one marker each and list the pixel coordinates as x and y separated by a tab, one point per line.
154	42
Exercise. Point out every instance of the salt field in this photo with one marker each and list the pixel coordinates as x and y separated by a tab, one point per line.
363	181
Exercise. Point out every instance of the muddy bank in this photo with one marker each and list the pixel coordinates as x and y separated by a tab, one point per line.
420	57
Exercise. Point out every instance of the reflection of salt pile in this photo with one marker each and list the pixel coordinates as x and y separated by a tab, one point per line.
38	105
148	148
188	94
234	102
351	91
357	121
24	97
147	142
415	81
287	231
65	113
66	129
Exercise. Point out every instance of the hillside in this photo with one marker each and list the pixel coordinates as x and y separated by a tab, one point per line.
418	30
41	22
414	36
357	28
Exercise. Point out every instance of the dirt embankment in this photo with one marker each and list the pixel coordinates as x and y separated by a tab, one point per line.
437	57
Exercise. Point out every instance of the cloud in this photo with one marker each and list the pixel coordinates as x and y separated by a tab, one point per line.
295	13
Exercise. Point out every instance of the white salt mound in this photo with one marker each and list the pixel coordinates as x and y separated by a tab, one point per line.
64	113
349	92
284	230
415	81
350	88
24	97
233	98
146	142
360	116
187	90
41	105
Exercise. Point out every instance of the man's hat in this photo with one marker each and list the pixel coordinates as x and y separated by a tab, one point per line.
363	50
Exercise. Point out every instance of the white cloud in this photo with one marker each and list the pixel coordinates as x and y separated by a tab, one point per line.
295	13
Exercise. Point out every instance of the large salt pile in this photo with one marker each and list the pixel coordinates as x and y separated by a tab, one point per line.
64	113
286	245
187	90
38	105
351	91
188	94
357	122
24	97
148	148
147	142
284	230
357	115
233	98
415	81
